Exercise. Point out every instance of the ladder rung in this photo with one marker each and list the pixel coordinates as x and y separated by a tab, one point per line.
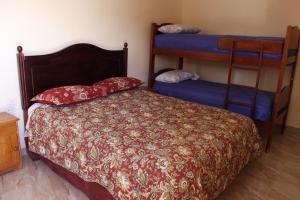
245	86
240	103
247	68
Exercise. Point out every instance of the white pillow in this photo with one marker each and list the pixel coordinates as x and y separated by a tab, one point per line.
179	28
176	76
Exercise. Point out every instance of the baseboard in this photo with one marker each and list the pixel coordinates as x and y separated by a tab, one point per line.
293	129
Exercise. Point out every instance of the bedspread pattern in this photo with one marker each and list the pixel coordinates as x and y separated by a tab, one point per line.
141	145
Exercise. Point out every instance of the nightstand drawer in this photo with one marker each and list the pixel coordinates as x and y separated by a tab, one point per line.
8	129
9	149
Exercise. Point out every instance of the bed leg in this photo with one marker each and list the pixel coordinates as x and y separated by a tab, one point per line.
151	71
33	156
269	139
283	125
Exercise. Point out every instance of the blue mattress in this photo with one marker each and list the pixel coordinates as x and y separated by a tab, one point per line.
213	94
207	43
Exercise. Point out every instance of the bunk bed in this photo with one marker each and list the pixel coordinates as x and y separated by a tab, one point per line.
235	52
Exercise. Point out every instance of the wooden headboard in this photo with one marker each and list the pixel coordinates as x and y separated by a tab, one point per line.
77	64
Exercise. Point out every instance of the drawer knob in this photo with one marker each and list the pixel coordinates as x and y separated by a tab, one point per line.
16	148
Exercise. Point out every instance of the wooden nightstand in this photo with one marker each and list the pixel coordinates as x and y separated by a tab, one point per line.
10	154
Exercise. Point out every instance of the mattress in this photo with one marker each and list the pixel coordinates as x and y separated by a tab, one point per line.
213	94
208	43
142	145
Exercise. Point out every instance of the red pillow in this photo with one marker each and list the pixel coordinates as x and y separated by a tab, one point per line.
69	94
116	84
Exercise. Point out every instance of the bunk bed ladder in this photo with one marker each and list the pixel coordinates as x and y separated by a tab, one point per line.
257	68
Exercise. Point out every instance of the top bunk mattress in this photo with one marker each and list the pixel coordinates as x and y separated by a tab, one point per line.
208	43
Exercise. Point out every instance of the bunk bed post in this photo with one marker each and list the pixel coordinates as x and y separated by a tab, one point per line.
283	126
291	42
273	123
294	44
152	56
151	71
180	63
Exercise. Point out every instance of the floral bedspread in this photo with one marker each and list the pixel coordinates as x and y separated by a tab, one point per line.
141	145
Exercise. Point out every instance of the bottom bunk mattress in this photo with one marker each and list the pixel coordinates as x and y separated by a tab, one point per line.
213	94
142	145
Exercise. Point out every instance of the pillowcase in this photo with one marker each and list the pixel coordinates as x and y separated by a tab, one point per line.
176	76
179	28
116	84
69	94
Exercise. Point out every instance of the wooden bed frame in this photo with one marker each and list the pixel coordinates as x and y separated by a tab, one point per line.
78	64
282	93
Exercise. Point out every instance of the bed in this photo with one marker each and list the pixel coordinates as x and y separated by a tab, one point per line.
134	144
235	52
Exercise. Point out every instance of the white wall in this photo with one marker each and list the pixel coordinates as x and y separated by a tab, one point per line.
245	17
45	26
42	26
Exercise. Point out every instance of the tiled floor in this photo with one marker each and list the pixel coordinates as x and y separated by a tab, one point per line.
275	176
35	181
